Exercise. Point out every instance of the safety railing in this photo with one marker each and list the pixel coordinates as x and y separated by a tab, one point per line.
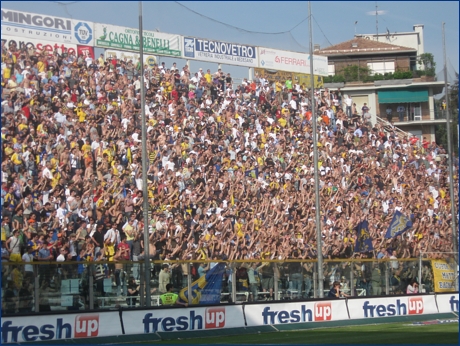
55	286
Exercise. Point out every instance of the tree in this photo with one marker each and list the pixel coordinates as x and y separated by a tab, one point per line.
427	60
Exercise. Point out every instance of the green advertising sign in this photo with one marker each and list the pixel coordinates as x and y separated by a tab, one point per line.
118	37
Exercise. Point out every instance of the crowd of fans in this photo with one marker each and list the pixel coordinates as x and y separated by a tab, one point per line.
230	167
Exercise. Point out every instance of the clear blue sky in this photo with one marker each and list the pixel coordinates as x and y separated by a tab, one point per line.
333	22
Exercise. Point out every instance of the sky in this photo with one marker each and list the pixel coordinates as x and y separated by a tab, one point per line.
274	24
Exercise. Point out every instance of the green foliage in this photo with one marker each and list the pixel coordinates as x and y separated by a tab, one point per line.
354	73
429	65
334	79
402	75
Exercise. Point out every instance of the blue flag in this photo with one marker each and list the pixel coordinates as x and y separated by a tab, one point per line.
398	225
207	289
364	240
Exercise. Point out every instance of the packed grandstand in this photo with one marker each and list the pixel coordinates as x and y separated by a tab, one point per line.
230	171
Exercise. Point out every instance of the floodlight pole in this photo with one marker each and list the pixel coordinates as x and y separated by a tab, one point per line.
315	162
145	204
450	162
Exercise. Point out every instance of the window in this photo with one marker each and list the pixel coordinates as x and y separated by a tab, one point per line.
381	67
331	70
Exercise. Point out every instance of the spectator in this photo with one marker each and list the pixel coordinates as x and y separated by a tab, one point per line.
412	288
170	298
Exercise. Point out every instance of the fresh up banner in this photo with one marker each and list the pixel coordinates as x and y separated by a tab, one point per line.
59	327
123	38
299	312
447	302
177	320
220	52
47	28
390	307
207	289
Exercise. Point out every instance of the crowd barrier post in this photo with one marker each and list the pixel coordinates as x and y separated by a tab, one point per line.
387	279
36	290
276	280
420	271
233	285
91	286
315	285
141	285
352	282
189	283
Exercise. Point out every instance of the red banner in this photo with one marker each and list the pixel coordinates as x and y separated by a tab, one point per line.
85	51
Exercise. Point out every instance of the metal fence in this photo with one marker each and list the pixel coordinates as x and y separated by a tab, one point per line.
56	286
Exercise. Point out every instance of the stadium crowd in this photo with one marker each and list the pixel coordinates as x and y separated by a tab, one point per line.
230	167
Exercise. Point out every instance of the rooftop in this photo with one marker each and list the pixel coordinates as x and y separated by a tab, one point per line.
359	45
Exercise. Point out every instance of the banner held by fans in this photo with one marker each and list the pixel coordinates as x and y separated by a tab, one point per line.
398	225
207	289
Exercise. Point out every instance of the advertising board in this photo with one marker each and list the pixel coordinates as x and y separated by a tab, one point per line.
392	306
447	302
38	46
123	38
320	311
175	320
276	59
48	28
59	327
122	55
220	52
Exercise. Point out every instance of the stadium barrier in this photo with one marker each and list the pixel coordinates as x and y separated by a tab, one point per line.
83	286
155	322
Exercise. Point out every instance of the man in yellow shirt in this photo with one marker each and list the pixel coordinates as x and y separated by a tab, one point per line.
170	298
16	159
208	76
41	65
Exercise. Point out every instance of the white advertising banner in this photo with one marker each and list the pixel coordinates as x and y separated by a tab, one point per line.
392	306
59	327
176	320
220	52
320	311
135	57
123	38
275	59
38	46
44	27
447	302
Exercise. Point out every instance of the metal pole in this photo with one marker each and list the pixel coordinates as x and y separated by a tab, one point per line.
315	160
91	286
276	280
315	284
234	285
189	284
36	290
141	285
420	271
352	281
387	280
450	162
145	205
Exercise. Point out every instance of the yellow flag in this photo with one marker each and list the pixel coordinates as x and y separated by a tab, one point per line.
232	200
